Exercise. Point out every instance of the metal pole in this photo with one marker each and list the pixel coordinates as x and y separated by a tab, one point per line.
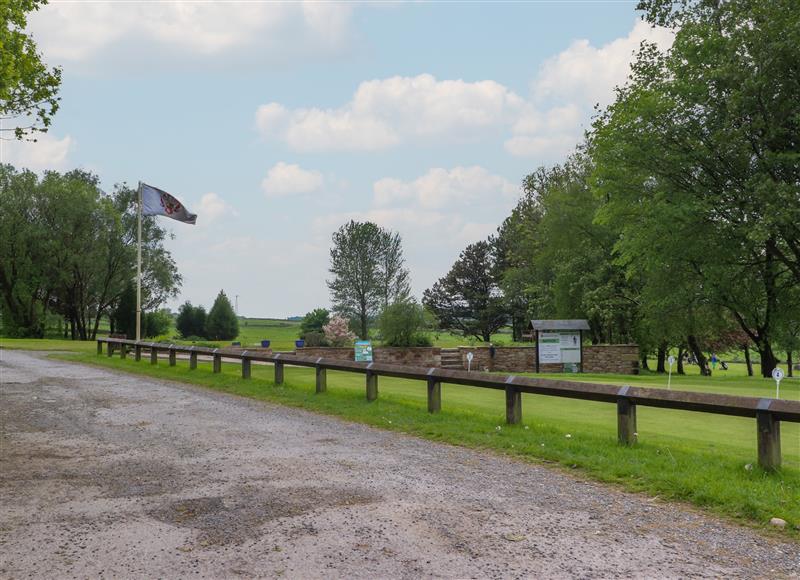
139	265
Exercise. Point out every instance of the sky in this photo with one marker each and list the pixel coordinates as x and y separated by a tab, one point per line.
278	122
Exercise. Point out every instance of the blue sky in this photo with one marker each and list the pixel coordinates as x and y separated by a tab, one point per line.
278	122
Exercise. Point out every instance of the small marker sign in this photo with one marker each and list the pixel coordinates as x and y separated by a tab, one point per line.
777	374
671	361
470	356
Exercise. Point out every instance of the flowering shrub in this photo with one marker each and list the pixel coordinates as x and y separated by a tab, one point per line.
337	332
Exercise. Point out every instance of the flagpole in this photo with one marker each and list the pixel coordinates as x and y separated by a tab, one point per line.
139	264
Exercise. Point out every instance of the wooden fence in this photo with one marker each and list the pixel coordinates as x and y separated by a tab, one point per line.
767	412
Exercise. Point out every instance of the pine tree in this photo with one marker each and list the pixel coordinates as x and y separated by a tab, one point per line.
221	323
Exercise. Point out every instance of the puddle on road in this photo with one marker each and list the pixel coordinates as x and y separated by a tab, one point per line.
236	518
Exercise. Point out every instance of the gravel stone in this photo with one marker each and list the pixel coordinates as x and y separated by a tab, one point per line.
111	475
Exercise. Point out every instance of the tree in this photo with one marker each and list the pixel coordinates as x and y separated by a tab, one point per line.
28	89
337	332
402	324
191	320
314	321
221	323
703	141
124	315
156	323
468	299
368	272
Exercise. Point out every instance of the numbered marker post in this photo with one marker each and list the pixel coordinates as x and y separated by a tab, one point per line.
470	356
777	374
671	361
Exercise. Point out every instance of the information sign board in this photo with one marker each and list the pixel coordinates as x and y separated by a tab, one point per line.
363	351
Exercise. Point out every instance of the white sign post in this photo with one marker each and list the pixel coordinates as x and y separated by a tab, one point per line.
671	361
470	356
777	374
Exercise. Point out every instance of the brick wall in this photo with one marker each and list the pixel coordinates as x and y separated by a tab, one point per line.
604	358
611	358
416	357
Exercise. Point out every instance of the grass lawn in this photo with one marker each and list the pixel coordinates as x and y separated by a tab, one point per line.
708	460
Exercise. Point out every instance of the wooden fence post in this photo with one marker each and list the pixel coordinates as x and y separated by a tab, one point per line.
513	406
110	349
769	440
217	362
153	355
434	395
192	360
172	356
322	379
123	351
245	366
626	420
99	347
278	373
372	386
137	352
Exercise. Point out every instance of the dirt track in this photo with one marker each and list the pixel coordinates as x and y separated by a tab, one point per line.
113	475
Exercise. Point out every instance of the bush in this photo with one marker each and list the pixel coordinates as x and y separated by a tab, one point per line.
221	322
125	313
338	333
314	321
156	323
191	321
316	339
403	324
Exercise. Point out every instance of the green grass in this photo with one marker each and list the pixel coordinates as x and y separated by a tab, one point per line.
695	457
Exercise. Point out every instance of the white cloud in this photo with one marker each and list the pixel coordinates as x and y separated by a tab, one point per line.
290	179
588	74
440	188
48	152
386	112
78	32
212	206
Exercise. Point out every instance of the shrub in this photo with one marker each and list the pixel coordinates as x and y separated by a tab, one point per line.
316	339
314	321
221	322
403	324
191	320
156	323
338	333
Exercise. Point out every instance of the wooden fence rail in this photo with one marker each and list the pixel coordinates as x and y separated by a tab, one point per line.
768	412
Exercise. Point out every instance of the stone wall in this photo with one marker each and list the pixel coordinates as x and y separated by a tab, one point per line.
611	358
415	357
603	358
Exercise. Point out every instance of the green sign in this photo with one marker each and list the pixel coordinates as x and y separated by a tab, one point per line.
363	351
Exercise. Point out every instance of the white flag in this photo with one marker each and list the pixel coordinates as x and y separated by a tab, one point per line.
158	202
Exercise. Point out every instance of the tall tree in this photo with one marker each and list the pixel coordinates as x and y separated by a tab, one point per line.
368	272
703	140
221	323
468	299
28	89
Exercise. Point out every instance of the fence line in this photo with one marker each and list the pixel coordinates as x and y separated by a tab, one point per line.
768	412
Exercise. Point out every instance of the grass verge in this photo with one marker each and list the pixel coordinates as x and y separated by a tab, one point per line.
703	459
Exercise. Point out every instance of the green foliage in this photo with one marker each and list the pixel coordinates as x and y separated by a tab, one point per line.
313	322
403	324
28	89
368	272
191	321
468	299
69	248
125	312
698	165
221	323
156	323
315	338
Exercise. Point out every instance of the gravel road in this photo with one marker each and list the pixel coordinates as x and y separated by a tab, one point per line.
106	474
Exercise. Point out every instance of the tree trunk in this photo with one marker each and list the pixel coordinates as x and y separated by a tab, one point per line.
644	362
661	358
702	362
768	360
747	360
681	352
789	363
